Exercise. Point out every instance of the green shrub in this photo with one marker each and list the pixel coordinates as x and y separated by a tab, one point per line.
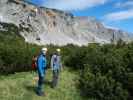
101	87
114	61
15	54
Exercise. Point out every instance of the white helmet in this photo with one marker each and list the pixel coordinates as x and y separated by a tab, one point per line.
58	50
44	49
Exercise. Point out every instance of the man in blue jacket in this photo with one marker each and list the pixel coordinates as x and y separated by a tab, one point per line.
41	67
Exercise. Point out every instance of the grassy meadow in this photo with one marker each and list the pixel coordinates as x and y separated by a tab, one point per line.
21	86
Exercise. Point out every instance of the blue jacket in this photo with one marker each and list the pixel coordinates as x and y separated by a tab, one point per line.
41	65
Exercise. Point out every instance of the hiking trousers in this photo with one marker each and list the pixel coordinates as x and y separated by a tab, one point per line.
40	85
55	78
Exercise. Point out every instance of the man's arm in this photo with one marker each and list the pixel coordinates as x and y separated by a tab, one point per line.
40	65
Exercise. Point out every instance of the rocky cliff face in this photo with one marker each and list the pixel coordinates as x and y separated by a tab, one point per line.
49	26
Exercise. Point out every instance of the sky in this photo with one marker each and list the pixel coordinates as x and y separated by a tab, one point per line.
112	13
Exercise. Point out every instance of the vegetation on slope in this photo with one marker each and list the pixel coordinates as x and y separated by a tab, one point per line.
106	71
15	54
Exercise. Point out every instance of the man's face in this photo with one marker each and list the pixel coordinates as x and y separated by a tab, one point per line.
44	52
58	53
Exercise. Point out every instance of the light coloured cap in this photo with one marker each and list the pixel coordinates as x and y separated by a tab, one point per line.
44	49
58	50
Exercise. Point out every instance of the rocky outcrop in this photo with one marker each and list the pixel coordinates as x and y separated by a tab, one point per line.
49	26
